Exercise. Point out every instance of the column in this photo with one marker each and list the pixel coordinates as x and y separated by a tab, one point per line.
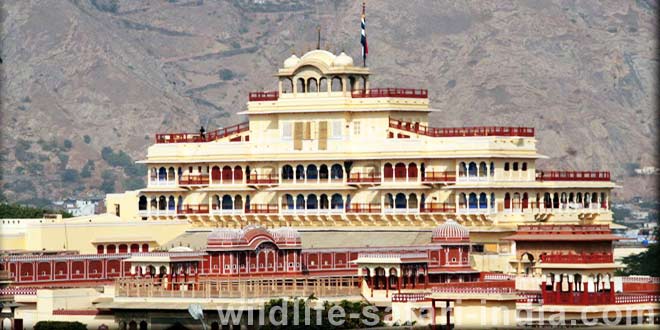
387	284
433	314
371	281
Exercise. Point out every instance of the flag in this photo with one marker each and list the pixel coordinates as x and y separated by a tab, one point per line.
363	39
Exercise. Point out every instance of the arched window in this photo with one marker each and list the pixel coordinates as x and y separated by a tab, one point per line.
170	203
287	85
483	201
492	169
336	84
524	166
412	201
300	172
462	200
312	202
287	172
351	83
238	202
472	202
300	85
312	85
400	171
162	203
323	84
525	201
215	174
336	172
507	201
154	203
170	174
462	169
472	169
388	172
389	201
312	172
516	200
547	203
492	200
288	200
135	248
412	171
99	249
227	203
162	174
226	174
555	200
483	169
247	202
336	202
142	203
506	166
324	204
300	202
323	172
571	198
578	197
145	247
400	201
603	200
515	166
238	174
180	204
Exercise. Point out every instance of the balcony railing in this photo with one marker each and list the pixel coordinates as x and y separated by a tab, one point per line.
363	208
391	92
262	209
194	179
438	208
364	178
262	179
263	96
194	209
583	258
572	176
197	137
438	176
418	128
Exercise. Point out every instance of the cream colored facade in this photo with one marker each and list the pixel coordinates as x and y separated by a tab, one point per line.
318	152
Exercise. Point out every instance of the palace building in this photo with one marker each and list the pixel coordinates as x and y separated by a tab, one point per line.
335	189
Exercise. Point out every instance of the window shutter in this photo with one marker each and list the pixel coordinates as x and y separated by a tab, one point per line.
307	133
297	135
323	135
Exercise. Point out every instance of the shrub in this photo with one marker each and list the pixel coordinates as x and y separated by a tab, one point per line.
226	74
59	325
68	144
70	175
87	139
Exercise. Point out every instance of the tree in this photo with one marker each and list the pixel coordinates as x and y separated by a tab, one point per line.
70	175
59	325
645	263
8	211
226	74
68	144
87	139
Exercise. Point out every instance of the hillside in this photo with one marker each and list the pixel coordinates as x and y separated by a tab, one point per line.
79	76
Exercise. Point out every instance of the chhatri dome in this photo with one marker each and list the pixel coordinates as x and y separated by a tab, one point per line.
450	231
343	60
292	61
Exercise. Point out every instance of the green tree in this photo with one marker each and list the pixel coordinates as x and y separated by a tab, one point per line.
68	144
8	211
70	175
645	263
59	325
226	74
87	139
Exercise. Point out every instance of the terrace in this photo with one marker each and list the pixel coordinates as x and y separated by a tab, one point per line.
198	137
572	176
417	128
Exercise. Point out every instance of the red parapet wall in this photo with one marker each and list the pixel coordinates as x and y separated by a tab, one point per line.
572	176
263	96
583	258
197	137
390	92
418	128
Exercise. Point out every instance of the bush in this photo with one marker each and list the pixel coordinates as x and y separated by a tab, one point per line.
226	74
59	325
8	211
21	150
70	175
133	184
20	186
68	144
87	139
64	160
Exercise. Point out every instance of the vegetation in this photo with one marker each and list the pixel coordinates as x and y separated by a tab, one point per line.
133	183
645	263
350	308
70	175
86	171
59	325
108	185
21	150
87	139
21	211
123	160
226	74
67	144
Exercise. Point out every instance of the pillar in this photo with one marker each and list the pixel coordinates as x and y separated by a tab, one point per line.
433	314
387	285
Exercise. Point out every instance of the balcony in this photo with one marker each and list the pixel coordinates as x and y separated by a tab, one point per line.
217	210
194	179
262	209
363	208
438	208
161	182
439	177
198	137
263	96
262	179
418	128
358	178
318	211
391	92
573	176
194	209
583	258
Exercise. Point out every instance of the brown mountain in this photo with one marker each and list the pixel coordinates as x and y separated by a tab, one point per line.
78	76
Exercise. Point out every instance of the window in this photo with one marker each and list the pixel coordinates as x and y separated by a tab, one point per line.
515	166
356	128
287	132
453	259
117	213
524	166
506	166
336	129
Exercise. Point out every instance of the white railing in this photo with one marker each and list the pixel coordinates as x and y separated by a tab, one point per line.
161	183
636	299
227	211
475	211
640	279
391	255
401	211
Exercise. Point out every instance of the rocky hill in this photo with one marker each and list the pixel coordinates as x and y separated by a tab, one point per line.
79	76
